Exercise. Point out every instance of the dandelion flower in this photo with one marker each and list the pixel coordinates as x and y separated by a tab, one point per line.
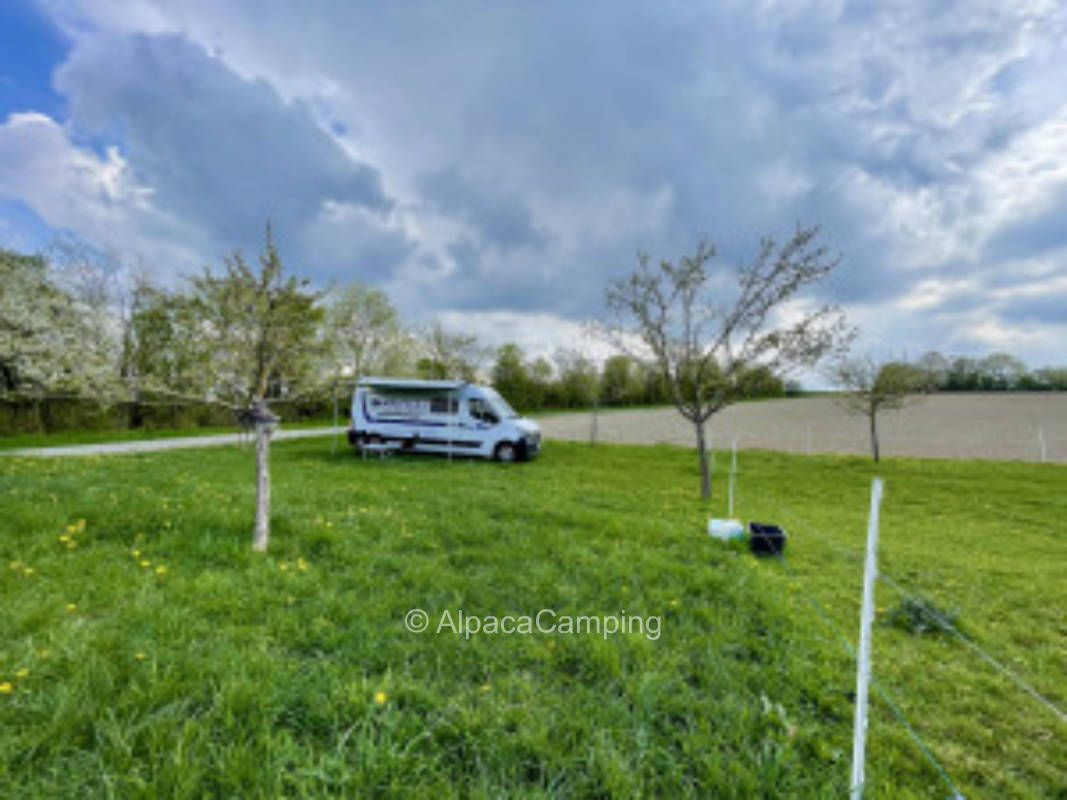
145	562
22	672
161	570
6	687
64	538
380	698
72	529
27	571
72	606
301	565
140	656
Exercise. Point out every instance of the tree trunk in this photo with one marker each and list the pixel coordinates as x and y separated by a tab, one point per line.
705	474
593	421
874	434
262	533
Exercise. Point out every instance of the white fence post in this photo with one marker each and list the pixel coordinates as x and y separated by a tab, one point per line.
863	661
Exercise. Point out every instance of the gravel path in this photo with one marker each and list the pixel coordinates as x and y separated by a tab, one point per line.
152	445
992	426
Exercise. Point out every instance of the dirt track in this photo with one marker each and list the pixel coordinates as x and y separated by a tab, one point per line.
994	426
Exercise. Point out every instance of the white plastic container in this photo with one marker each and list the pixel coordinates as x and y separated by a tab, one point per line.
726	529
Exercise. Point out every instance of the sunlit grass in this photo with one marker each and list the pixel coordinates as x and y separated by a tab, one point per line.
146	651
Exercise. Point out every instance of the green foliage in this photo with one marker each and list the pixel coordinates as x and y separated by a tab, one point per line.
361	331
236	674
449	355
511	377
164	347
258	328
996	372
617	380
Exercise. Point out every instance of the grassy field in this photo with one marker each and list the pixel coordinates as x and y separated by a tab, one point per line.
146	652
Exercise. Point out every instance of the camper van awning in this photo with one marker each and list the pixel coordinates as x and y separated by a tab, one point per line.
411	384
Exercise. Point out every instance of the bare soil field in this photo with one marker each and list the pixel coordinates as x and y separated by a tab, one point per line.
990	426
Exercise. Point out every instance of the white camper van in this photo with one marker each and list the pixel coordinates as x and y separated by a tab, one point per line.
432	416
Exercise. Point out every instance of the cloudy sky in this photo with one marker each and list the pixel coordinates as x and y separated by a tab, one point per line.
495	163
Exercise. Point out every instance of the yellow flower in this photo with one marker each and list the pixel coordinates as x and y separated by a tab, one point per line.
674	602
64	538
72	529
140	656
161	570
283	566
486	687
301	565
28	571
380	698
145	562
79	526
22	672
135	553
6	687
72	606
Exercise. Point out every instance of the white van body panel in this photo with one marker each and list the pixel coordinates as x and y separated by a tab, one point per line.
439	417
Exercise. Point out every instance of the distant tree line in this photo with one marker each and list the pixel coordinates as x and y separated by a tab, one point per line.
86	341
997	372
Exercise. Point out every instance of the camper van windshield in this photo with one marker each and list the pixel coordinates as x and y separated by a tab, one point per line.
500	405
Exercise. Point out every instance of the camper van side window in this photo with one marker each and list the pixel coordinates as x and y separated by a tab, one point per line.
443	405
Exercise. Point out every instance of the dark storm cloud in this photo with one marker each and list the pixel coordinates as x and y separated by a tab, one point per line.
1040	309
216	150
1034	235
501	217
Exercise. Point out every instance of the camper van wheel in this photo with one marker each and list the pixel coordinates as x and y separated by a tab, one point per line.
505	451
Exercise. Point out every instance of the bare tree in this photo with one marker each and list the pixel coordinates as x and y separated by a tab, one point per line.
668	313
871	387
360	327
260	330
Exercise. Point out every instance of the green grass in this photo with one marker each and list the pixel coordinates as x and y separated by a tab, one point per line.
241	675
63	438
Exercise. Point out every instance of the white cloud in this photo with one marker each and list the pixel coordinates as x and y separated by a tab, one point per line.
73	188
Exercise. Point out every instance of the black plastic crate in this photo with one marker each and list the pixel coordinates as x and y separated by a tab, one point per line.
765	539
